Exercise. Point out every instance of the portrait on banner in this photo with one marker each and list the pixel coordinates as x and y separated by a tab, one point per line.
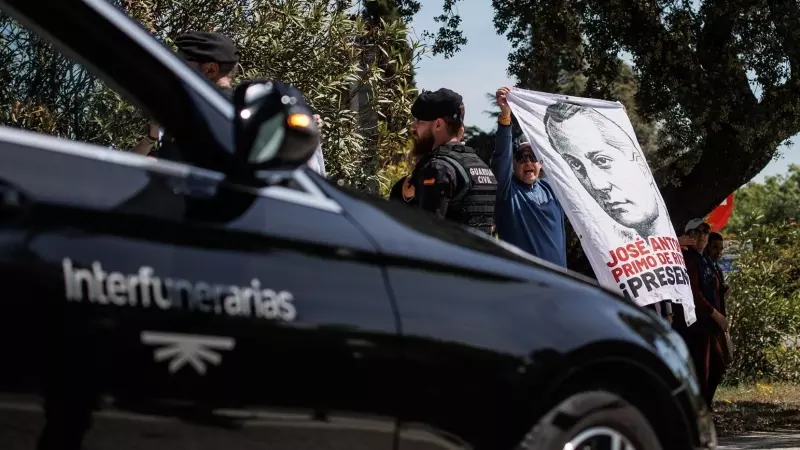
601	178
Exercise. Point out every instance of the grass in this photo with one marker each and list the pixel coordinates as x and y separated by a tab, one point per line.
759	407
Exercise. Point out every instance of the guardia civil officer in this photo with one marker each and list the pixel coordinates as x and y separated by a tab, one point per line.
448	179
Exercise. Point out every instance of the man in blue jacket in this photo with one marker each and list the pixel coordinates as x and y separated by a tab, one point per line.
527	213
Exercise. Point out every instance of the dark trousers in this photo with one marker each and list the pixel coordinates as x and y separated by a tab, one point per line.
701	340
707	358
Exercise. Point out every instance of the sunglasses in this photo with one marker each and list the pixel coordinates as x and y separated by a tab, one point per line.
699	231
524	157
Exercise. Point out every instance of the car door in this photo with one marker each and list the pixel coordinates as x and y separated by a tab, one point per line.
68	246
311	362
155	305
261	311
471	332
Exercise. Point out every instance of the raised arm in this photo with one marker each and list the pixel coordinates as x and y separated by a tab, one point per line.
502	166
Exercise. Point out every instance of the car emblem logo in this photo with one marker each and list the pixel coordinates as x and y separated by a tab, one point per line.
182	349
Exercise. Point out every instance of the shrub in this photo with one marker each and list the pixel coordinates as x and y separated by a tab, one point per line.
764	305
397	164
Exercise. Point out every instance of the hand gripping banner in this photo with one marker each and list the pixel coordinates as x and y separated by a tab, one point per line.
601	178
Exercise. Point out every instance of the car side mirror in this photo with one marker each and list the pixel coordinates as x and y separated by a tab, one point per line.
274	126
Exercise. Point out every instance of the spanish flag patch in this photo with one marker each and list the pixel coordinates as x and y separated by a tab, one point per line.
429	181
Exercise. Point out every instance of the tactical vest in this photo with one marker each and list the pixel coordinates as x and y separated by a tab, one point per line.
474	204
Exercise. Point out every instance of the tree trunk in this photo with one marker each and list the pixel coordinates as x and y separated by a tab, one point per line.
726	164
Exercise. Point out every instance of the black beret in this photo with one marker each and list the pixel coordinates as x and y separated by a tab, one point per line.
432	105
200	46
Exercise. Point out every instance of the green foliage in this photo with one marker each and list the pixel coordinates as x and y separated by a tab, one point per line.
42	91
348	85
390	10
357	75
764	305
481	141
446	41
449	39
397	165
775	200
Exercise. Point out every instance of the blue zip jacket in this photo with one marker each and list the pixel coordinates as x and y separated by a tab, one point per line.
526	215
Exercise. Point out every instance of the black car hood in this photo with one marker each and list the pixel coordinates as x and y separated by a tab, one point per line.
406	233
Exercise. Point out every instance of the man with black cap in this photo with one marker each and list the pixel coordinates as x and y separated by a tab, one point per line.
448	179
212	54
528	213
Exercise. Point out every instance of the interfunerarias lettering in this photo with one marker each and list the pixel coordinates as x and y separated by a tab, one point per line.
601	178
146	290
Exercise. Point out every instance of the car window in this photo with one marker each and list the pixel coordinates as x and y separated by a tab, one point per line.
44	91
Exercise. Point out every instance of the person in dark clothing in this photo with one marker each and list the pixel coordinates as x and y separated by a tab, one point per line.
403	191
213	55
448	179
714	251
702	336
527	212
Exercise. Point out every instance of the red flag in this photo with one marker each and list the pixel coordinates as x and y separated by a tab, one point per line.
720	215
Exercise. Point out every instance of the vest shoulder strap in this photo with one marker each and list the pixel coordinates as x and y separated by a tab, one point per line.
464	176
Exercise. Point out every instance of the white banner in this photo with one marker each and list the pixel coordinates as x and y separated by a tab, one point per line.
601	178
